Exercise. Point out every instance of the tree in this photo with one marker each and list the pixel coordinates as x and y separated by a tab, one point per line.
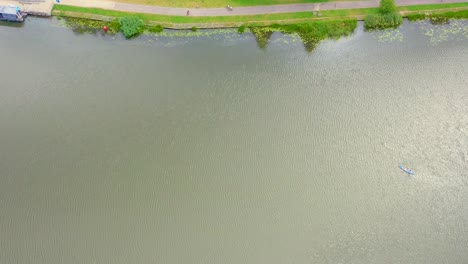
387	7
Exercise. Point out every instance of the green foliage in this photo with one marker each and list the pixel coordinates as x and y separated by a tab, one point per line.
311	33
387	17
387	7
241	29
372	21
114	26
155	29
194	29
414	17
80	25
391	20
462	14
321	29
131	26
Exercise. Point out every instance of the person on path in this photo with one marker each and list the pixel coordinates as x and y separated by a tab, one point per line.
188	13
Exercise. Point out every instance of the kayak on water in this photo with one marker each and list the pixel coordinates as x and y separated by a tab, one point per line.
410	172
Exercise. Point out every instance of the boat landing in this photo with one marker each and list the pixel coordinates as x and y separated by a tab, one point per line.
32	7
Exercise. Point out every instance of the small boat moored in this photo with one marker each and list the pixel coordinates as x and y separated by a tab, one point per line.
409	171
12	13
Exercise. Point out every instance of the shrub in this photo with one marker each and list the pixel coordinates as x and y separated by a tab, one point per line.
194	29
372	21
241	29
387	18
392	20
131	26
383	21
155	29
387	7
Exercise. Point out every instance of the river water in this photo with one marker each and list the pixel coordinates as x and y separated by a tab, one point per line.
205	148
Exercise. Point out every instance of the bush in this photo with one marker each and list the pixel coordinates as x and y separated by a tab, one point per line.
383	21
131	26
387	18
392	20
241	29
372	21
194	29
387	7
155	29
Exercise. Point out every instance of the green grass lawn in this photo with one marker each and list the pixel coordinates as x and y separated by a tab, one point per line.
215	3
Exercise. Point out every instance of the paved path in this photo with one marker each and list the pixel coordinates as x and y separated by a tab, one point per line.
248	10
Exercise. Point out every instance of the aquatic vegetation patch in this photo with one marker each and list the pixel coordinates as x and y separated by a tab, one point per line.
175	33
438	20
310	33
173	38
456	29
80	25
262	35
388	35
314	32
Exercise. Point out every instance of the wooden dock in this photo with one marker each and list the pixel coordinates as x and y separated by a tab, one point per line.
32	7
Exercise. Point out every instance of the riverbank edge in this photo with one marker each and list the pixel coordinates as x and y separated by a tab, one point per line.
87	13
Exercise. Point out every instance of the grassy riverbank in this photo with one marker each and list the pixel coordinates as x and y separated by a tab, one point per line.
310	33
63	10
179	22
462	14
